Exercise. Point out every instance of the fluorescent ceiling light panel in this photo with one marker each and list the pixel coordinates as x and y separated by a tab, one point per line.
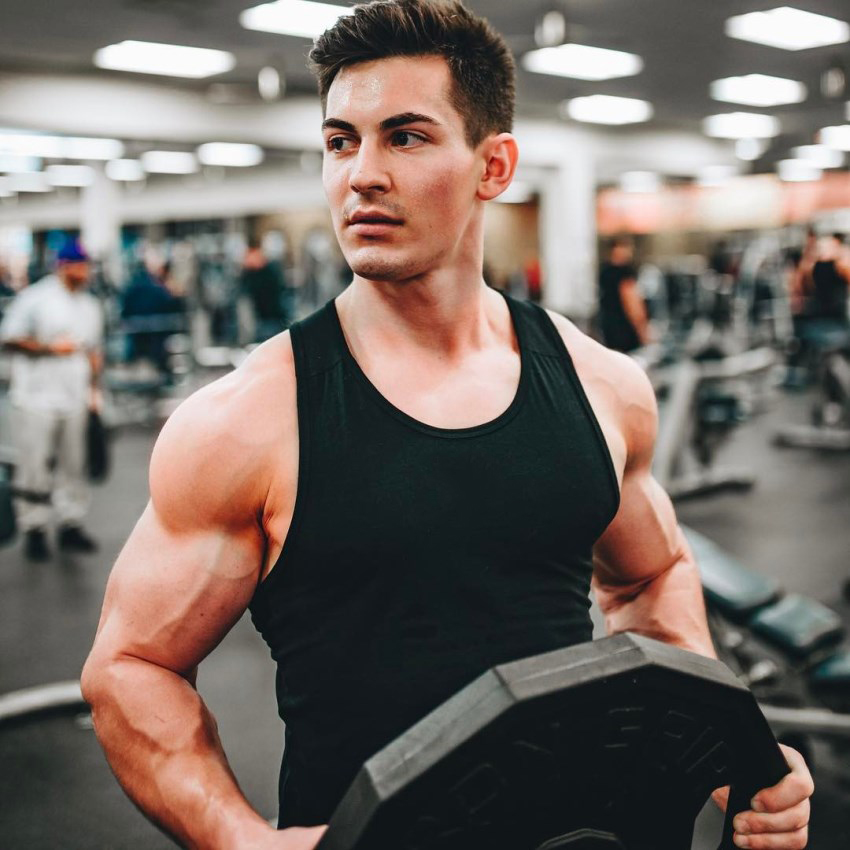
169	162
715	175
16	163
788	28
581	62
750	149
59	147
822	156
606	109
741	125
167	60
70	175
836	137
32	181
293	17
797	170
640	181
758	90
125	169
230	154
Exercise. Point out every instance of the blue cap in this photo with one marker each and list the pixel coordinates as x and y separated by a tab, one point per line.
72	252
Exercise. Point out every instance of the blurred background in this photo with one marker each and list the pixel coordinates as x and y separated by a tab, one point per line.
683	194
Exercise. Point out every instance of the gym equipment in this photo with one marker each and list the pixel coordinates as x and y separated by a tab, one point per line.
58	696
786	647
612	744
831	413
698	415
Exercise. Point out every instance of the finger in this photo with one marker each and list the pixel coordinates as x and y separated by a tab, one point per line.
795	787
796	840
789	820
721	797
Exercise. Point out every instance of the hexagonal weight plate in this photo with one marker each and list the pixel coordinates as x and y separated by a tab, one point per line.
617	742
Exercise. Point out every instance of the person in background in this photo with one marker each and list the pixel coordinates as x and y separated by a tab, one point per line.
55	330
151	313
623	319
262	283
825	280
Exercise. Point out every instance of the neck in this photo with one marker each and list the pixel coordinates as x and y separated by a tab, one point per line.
446	314
446	311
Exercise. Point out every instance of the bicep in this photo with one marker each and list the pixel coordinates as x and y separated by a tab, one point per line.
644	538
175	592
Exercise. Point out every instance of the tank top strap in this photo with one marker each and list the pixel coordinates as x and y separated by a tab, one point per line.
317	343
536	330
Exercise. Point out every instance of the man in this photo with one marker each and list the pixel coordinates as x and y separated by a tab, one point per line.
262	282
622	312
55	329
406	487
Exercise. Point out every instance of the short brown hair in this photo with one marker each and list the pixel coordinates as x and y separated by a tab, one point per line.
480	62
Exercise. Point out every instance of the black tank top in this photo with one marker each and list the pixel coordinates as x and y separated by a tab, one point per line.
418	557
830	291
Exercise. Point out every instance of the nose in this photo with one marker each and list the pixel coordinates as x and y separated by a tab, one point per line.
368	170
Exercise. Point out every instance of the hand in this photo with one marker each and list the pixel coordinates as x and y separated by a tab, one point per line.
294	838
779	819
96	399
62	346
300	838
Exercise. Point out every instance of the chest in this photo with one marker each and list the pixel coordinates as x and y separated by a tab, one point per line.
62	316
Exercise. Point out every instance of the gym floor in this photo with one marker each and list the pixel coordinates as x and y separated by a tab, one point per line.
57	790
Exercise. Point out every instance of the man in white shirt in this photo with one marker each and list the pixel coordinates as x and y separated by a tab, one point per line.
55	330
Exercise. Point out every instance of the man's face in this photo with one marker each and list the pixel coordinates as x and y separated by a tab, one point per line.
398	173
76	274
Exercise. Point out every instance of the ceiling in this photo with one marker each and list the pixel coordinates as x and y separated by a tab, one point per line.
681	41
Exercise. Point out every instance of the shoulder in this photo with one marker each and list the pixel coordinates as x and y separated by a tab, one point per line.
218	453
617	387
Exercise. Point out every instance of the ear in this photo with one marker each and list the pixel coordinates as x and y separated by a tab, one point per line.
500	154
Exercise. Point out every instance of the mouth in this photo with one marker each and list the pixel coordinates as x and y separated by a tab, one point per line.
372	218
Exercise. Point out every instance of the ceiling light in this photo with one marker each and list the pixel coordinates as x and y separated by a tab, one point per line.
32	181
640	181
788	29
750	149
758	90
70	175
168	60
797	170
606	109
741	125
226	153
582	62
293	17
125	169
715	175
17	163
59	147
169	162
836	137
822	156
270	84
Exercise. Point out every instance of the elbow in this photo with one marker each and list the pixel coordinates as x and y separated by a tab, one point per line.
91	679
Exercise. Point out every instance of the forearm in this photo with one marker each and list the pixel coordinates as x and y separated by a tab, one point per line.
163	746
27	345
669	607
635	310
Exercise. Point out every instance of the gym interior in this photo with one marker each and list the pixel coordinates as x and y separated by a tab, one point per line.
709	141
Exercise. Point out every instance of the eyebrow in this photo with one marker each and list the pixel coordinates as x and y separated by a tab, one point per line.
387	124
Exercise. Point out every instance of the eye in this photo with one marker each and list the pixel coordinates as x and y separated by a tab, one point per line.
407	139
338	143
